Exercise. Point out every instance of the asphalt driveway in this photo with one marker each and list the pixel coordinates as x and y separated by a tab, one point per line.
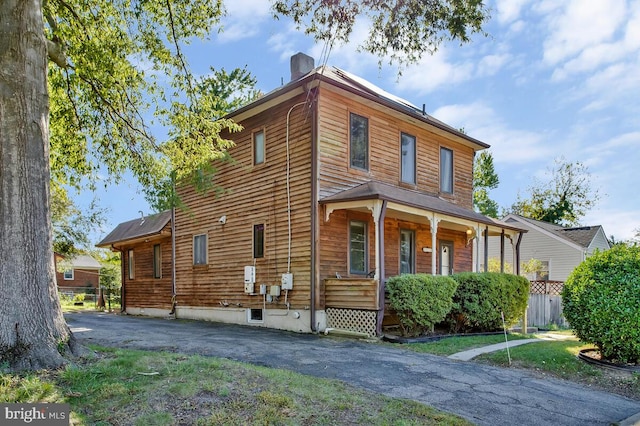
482	394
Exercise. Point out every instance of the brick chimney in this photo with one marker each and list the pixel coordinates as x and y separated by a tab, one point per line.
301	64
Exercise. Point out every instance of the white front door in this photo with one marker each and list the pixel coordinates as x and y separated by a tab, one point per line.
446	258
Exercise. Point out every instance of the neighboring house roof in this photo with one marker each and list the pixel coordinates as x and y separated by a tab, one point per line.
582	236
382	191
81	261
354	84
137	229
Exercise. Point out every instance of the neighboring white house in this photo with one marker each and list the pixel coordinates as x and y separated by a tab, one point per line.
559	249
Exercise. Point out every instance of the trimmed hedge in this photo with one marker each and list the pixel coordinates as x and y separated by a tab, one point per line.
601	301
420	301
481	298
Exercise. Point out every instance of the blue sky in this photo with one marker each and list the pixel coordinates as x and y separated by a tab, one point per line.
553	79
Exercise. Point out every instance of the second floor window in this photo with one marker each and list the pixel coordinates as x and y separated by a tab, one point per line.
446	170
359	142
258	147
258	240
408	158
358	247
200	249
68	274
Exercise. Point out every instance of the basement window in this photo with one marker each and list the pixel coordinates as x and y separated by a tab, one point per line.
255	315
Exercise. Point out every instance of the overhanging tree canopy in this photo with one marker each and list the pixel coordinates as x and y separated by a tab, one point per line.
114	63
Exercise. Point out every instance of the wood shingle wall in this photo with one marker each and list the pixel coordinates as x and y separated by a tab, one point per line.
252	195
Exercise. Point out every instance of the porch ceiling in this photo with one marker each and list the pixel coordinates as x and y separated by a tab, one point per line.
415	206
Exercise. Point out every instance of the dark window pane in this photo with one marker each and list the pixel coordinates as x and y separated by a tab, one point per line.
258	240
359	146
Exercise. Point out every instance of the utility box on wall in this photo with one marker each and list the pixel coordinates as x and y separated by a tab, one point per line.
249	278
287	281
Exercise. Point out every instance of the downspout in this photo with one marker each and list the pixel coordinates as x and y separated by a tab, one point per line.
173	259
314	216
502	252
122	276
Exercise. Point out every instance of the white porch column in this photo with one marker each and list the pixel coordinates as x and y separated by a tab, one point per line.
478	248
376	211
434	220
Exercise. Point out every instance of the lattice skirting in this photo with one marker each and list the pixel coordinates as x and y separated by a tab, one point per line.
546	287
352	319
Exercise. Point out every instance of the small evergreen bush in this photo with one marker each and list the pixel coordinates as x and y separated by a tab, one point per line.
481	298
420	301
601	301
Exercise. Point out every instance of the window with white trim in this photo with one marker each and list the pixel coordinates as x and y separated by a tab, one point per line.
358	252
68	274
407	251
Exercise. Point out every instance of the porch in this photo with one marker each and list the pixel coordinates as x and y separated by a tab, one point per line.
390	231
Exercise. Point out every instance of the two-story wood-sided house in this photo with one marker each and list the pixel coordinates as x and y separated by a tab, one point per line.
335	185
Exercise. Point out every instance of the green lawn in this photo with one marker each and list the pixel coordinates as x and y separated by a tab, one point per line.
556	358
452	345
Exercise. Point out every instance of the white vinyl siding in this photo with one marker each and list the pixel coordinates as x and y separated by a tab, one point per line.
562	257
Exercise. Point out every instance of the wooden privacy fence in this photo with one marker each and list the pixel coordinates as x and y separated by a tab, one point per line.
545	304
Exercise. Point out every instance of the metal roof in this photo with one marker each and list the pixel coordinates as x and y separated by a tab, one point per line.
357	85
137	228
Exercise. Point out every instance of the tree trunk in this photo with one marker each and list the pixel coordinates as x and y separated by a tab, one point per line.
33	333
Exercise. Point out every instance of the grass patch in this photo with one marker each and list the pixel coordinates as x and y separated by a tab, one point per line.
68	305
139	388
559	359
452	345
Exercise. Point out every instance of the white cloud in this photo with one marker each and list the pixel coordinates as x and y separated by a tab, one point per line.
580	25
509	10
433	72
508	145
491	64
619	223
283	43
243	19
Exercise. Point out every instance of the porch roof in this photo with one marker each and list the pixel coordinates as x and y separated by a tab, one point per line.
136	229
415	200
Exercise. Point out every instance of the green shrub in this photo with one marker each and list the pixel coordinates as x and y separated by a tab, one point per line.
420	301
481	298
601	301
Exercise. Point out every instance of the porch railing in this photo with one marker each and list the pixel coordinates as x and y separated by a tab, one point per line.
351	293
